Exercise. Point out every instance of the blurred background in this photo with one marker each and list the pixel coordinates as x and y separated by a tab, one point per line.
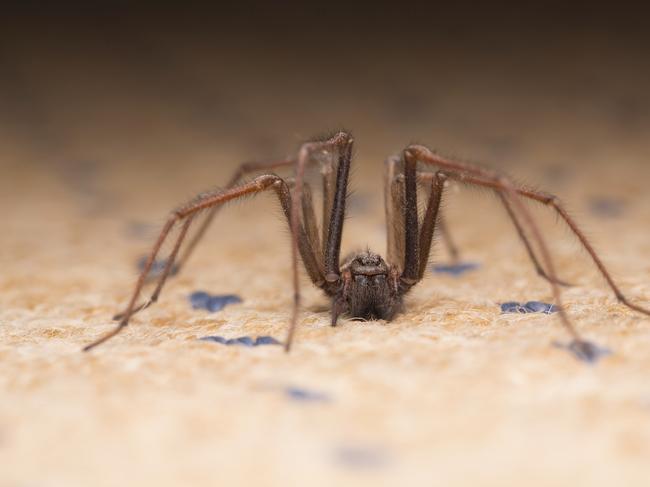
111	114
146	90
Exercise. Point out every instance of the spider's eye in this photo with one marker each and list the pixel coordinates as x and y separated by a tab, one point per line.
379	280
361	280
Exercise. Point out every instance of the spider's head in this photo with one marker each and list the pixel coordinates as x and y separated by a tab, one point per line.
369	265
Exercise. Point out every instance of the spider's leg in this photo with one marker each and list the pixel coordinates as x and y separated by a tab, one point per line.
417	240
242	171
431	219
332	245
427	176
328	173
529	248
554	202
186	213
171	222
342	143
307	232
310	225
394	207
166	272
411	269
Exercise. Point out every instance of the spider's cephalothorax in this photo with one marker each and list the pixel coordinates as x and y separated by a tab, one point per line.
370	289
365	286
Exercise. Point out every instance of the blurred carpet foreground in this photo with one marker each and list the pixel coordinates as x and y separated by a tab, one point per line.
450	393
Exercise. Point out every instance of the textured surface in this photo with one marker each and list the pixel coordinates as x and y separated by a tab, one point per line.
450	393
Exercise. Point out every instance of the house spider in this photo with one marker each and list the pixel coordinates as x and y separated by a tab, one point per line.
365	285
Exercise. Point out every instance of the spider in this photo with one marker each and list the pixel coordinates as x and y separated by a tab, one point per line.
365	285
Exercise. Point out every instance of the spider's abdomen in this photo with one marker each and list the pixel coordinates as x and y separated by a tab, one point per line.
371	293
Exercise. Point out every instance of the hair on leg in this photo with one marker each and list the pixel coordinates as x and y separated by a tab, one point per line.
342	143
479	176
482	177
394	208
185	214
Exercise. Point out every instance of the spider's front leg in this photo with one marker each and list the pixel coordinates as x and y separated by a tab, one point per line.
413	238
334	201
394	200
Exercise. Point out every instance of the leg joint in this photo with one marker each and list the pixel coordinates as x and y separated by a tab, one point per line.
264	181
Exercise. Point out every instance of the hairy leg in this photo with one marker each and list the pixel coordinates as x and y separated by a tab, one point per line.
429	177
394	207
424	179
417	240
529	248
184	215
242	171
475	175
430	221
410	270
166	272
342	144
394	201
328	172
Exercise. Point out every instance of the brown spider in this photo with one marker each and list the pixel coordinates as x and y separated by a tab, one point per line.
365	286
